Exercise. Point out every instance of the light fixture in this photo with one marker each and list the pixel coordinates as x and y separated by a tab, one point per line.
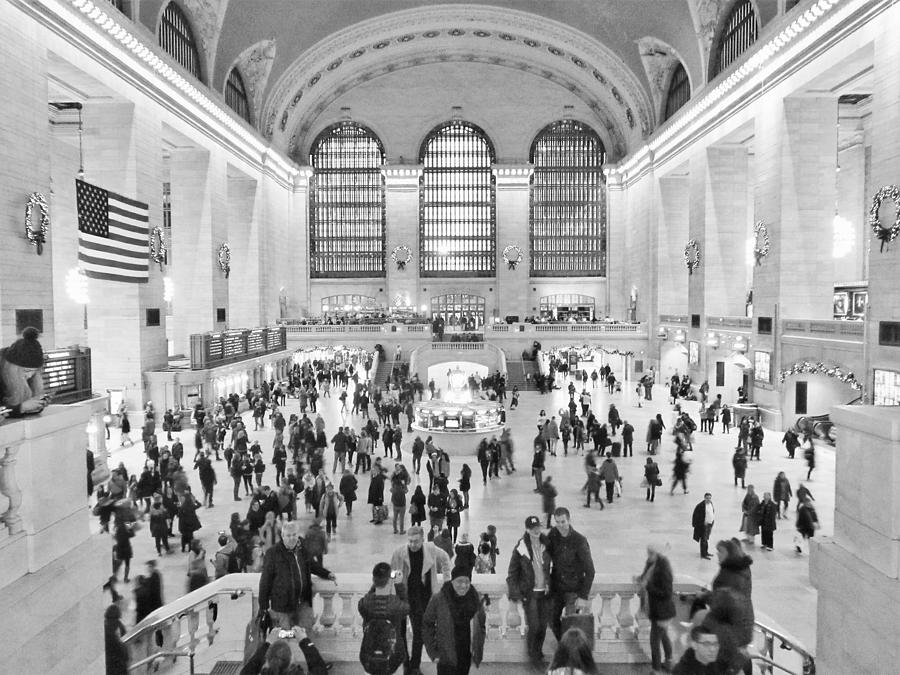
712	340
739	344
424	308
662	333
77	286
679	336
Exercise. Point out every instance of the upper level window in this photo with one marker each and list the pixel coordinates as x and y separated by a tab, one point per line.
739	33
236	94
456	203
347	220
177	38
679	91
568	202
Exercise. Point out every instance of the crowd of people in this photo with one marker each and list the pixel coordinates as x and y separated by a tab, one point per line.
428	580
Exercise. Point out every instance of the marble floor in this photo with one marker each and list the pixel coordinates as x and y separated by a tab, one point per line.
618	534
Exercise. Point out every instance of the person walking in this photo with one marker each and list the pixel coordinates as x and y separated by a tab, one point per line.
767	517
702	520
739	464
384	610
420	563
627	440
651	478
609	474
807	524
453	626
809	454
572	569
680	469
791	442
657	600
749	509
781	494
528	583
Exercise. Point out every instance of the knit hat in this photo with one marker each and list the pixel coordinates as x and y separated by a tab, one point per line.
532	521
26	351
461	571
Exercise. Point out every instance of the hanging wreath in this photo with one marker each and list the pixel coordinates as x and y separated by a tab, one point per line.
158	248
692	255
512	254
401	255
885	234
225	259
37	238
760	250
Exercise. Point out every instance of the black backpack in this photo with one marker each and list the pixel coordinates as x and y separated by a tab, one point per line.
234	562
382	649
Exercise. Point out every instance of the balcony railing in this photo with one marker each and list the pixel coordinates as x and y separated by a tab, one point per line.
673	318
844	330
209	350
207	625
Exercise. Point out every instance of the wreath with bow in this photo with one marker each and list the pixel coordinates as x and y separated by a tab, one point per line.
37	238
512	254
225	259
401	255
692	255
885	234
760	250
158	248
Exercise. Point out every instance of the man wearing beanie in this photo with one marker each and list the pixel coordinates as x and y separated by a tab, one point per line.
383	610
21	384
452	639
528	582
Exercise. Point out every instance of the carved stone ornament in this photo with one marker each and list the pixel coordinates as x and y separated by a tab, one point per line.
255	64
206	18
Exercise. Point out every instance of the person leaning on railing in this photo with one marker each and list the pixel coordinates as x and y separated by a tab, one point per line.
273	656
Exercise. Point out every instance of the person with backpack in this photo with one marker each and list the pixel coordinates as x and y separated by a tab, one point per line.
227	559
384	610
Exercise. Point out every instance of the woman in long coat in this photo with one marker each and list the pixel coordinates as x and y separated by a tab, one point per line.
657	599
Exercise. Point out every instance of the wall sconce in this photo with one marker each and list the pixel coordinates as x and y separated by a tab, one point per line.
662	333
679	336
712	340
739	345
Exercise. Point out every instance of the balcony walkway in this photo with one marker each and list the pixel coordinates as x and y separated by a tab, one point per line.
618	534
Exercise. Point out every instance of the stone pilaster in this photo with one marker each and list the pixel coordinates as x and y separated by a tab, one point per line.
25	278
402	209
672	282
295	214
512	183
245	303
697	190
199	228
122	153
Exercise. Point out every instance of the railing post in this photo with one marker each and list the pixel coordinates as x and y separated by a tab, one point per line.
9	487
625	617
607	620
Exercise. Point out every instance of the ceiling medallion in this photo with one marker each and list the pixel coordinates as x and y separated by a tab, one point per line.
507	37
406	38
481	33
555	51
334	64
456	32
431	34
357	53
381	45
315	78
599	76
531	43
578	62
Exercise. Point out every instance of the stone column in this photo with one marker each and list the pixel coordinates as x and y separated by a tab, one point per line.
697	213
857	571
245	303
672	282
512	182
294	212
27	282
122	150
726	228
199	228
402	209
616	223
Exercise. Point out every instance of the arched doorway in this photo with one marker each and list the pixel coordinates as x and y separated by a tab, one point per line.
460	311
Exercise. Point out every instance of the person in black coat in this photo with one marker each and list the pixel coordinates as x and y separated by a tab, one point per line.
523	585
147	592
376	489
657	598
651	475
572	568
767	519
347	488
188	522
113	631
702	521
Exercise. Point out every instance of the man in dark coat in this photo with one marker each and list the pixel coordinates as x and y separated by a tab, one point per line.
658	601
528	582
702	521
285	582
572	568
767	516
147	592
450	635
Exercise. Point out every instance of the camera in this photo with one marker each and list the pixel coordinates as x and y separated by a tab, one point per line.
396	575
283	634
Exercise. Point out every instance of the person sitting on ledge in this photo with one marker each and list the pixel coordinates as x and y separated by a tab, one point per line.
21	384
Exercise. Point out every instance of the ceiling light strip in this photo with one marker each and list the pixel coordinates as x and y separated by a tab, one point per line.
131	43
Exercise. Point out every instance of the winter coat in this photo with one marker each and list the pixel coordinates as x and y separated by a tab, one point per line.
159	527
749	507
376	490
609	472
520	576
285	580
188	522
656	580
573	567
434	561
739	462
438	631
767	515
347	487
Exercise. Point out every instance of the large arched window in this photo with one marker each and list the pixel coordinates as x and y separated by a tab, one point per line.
568	202
346	221
236	94
679	91
738	33
457	203
177	38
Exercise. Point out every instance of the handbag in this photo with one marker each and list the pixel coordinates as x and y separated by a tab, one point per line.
618	488
644	483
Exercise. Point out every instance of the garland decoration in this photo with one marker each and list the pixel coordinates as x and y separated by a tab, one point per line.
820	368
692	255
37	238
225	259
401	255
760	251
885	234
512	254
158	247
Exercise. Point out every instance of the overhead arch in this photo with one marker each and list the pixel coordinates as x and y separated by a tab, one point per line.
499	36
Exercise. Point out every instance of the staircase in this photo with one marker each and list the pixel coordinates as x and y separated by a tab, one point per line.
383	373
515	375
234	667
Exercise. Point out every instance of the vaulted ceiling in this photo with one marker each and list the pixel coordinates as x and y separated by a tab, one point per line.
301	60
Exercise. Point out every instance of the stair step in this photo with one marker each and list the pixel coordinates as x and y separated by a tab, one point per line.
226	668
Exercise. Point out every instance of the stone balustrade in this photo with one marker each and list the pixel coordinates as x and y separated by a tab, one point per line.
519	330
208	624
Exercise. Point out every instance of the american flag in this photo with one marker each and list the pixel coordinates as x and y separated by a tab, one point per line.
113	235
